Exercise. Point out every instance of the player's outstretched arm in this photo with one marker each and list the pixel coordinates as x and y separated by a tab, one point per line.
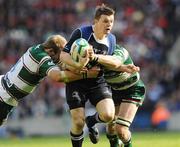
67	76
108	61
113	63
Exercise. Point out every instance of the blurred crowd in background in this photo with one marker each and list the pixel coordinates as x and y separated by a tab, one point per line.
149	29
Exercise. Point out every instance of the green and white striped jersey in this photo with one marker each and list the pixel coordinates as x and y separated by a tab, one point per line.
121	80
26	74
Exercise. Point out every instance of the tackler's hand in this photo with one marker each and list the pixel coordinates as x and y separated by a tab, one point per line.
83	60
130	68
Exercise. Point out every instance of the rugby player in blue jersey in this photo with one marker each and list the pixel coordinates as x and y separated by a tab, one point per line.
95	90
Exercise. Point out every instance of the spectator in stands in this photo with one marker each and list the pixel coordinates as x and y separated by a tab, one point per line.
160	116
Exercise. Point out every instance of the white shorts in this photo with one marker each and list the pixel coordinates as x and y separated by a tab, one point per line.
5	96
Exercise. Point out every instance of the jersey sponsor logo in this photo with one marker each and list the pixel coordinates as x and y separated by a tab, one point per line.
98	51
50	63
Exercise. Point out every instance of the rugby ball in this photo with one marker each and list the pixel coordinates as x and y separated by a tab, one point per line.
79	47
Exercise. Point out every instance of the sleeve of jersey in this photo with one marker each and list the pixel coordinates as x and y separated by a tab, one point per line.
46	66
74	36
121	53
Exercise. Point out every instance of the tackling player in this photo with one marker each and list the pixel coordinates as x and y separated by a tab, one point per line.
128	92
38	62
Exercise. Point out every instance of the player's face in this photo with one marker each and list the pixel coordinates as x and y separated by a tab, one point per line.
105	23
54	56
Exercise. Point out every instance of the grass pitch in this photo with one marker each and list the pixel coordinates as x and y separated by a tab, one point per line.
154	139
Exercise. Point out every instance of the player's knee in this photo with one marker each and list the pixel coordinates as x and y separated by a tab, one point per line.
107	116
106	110
78	123
123	132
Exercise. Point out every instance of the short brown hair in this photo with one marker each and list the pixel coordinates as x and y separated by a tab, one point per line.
56	42
103	10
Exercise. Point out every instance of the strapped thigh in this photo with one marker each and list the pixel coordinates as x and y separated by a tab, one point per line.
126	114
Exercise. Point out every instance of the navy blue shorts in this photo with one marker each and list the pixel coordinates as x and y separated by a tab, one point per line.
77	94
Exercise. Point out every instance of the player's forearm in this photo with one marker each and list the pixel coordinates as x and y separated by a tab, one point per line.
68	76
63	76
66	58
64	66
108	61
130	68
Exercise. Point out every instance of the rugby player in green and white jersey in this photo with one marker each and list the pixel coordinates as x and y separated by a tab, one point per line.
36	63
128	92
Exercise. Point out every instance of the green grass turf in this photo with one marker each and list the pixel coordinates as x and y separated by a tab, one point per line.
154	139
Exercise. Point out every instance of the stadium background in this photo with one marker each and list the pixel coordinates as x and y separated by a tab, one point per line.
149	29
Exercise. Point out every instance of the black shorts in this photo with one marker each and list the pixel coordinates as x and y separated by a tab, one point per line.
78	94
5	109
